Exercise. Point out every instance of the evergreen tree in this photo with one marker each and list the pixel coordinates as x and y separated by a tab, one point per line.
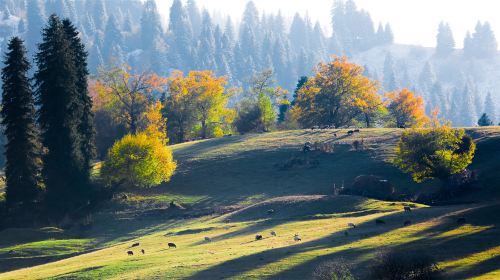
35	21
60	114
99	14
426	80
301	82
298	36
482	43
489	107
467	110
484	120
206	50
182	37
22	170
150	25
388	35
389	76
445	42
85	128
194	17
112	51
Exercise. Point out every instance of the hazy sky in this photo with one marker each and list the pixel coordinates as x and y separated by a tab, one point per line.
413	21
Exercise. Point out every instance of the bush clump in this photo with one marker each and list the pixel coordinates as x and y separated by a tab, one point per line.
333	270
404	265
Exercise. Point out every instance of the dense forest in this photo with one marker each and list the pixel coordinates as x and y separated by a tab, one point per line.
461	83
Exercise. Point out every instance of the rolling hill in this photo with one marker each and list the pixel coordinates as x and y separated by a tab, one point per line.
232	188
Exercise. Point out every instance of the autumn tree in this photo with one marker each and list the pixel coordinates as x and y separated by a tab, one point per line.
438	152
129	93
406	109
138	160
198	99
336	95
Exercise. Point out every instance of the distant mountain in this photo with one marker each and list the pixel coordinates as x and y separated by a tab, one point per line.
461	83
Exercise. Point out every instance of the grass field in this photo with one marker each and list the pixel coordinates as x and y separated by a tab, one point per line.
228	185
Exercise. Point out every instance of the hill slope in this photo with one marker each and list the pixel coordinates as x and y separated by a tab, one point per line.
229	185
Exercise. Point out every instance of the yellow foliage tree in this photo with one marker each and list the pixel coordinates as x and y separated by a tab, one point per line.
138	160
198	99
406	108
336	95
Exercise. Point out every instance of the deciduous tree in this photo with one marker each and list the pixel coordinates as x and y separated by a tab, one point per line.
406	109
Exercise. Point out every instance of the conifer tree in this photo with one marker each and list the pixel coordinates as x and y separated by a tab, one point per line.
389	75
22	149
484	120
489	107
60	115
35	21
86	126
445	42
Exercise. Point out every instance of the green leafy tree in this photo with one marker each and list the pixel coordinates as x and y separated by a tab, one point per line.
267	113
484	120
22	150
434	152
138	161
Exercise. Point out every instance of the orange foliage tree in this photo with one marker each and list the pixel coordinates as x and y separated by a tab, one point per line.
407	109
127	94
336	95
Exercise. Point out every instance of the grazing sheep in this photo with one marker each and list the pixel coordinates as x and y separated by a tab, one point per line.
351	225
273	233
407	209
407	223
296	237
130	253
135	244
143	252
258	237
208	239
335	135
172	245
270	211
461	221
379	222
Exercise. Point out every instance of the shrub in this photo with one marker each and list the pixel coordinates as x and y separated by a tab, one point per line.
404	265
372	187
333	270
138	161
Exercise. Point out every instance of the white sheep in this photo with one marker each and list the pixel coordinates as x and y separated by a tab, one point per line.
297	237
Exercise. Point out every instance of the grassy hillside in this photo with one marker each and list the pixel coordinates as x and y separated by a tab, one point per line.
228	186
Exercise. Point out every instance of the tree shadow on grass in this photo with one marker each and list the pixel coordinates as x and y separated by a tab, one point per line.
442	248
248	263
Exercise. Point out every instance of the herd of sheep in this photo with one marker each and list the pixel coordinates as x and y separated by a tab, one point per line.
296	237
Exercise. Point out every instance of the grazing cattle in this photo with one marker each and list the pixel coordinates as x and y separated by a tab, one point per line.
258	237
270	211
143	252
350	132
407	209
379	222
356	130
351	225
296	237
208	239
172	245
273	233
461	221
407	223
130	253
135	244
335	135
314	127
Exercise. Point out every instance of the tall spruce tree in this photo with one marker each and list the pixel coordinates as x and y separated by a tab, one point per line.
35	21
22	149
86	129
445	42
490	108
57	84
